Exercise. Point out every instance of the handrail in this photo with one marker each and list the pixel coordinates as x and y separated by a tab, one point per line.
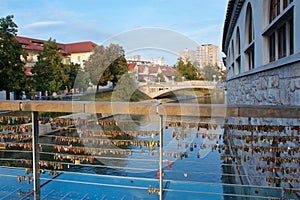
148	108
145	108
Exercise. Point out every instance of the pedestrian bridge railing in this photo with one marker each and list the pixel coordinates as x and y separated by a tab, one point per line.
148	150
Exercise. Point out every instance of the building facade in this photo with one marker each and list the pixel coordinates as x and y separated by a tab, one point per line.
150	61
262	52
207	54
187	55
151	73
263	68
75	53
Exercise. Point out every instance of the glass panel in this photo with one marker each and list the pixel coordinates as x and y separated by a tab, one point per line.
282	41
272	47
291	32
250	28
274	9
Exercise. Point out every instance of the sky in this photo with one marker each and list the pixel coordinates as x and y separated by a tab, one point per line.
103	21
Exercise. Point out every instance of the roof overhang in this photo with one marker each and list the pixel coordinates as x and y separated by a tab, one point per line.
233	11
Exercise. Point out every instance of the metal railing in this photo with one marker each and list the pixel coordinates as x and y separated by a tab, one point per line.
186	113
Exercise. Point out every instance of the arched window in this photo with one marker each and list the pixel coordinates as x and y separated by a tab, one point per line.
230	69
238	50
249	39
232	58
238	42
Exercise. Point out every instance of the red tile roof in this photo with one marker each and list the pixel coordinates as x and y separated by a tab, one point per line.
167	71
153	69
36	44
80	47
131	66
141	69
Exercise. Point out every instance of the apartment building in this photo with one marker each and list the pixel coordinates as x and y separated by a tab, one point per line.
75	53
207	54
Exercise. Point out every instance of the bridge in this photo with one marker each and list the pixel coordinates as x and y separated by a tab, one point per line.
56	153
156	89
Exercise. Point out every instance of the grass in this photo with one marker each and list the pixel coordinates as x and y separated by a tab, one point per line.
105	96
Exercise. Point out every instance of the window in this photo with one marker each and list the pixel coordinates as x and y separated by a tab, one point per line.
272	47
282	41
238	42
280	32
286	3
291	36
232	58
249	39
274	9
78	59
250	57
250	29
238	51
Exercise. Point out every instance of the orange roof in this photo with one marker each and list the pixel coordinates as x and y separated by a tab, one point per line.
153	69
131	66
141	69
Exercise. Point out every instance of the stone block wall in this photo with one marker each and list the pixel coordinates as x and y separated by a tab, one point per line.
279	86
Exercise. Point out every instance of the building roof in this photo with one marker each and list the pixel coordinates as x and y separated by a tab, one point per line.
154	70
167	71
30	43
232	13
131	66
80	47
38	45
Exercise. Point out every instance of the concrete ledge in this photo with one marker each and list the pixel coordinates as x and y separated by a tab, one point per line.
152	108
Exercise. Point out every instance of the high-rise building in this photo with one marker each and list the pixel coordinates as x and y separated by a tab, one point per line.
187	54
207	54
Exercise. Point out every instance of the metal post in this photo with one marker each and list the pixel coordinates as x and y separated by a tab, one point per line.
161	127
35	155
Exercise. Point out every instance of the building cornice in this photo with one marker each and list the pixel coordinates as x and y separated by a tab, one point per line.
233	11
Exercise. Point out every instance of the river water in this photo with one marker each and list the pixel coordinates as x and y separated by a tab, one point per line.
193	168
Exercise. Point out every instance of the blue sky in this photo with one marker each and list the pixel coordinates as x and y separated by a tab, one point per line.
99	20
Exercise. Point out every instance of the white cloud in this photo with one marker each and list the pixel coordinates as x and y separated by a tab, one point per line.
206	31
210	34
43	24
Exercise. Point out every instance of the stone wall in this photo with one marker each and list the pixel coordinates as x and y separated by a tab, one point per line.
279	86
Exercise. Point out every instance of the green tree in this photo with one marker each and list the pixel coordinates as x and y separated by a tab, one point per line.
106	64
49	71
82	80
209	71
77	77
124	89
160	78
12	70
186	70
71	70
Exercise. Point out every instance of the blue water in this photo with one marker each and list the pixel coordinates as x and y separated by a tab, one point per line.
189	178
94	187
